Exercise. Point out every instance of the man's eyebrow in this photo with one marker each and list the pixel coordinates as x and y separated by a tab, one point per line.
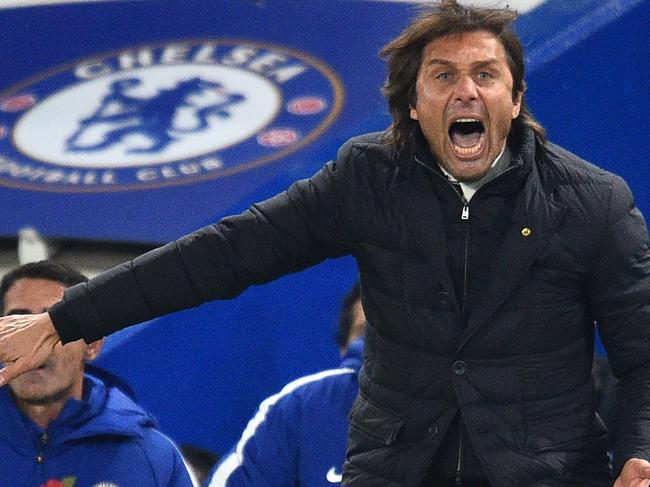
485	62
478	64
436	60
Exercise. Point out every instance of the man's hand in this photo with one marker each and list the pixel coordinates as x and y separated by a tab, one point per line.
635	473
26	342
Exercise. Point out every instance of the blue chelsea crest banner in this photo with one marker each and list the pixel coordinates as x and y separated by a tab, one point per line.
142	120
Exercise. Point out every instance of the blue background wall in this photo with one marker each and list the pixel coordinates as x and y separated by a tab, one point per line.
202	372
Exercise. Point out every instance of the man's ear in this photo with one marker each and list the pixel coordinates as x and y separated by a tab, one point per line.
93	349
517	101
516	105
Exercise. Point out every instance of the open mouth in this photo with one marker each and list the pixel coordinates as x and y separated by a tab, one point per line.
467	136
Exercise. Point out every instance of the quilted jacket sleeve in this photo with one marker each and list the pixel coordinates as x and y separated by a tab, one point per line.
620	299
293	230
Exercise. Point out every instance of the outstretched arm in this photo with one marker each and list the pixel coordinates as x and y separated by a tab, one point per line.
26	342
287	233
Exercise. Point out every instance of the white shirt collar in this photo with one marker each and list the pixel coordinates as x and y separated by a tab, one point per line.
469	188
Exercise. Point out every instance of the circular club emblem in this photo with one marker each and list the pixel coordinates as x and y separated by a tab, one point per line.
161	115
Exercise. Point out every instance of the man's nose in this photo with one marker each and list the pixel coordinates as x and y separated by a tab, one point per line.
466	89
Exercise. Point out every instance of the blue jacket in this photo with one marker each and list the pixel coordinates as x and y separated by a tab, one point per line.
104	440
298	437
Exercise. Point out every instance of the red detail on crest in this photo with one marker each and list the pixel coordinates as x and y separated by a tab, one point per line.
3	131
277	137
18	103
53	483
306	105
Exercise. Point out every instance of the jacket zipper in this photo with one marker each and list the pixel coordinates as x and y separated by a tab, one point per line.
464	216
41	444
459	463
465	213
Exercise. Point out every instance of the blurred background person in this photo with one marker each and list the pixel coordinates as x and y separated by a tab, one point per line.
299	435
59	426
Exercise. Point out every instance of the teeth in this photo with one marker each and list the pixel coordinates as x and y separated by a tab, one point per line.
466	120
470	151
467	151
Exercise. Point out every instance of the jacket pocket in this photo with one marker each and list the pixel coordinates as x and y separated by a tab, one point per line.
375	422
563	433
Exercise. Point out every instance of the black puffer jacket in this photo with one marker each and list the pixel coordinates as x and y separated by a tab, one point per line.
520	372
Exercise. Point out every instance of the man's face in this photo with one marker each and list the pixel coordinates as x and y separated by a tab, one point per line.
357	326
464	101
62	375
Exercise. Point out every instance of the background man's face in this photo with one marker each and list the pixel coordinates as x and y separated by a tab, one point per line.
464	101
358	322
62	375
357	326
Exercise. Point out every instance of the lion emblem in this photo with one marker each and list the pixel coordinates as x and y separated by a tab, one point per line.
121	115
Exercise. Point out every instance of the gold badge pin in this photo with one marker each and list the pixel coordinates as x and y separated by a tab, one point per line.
526	231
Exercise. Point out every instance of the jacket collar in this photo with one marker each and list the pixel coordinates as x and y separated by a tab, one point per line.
521	145
103	411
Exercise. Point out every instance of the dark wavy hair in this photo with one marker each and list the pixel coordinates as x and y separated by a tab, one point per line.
403	56
45	269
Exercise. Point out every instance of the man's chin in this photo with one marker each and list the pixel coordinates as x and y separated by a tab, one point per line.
36	394
469	170
42	399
